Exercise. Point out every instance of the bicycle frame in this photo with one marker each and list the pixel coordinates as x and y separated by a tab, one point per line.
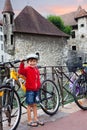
60	74
15	75
20	79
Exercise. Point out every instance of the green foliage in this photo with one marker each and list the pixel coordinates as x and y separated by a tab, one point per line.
67	29
58	22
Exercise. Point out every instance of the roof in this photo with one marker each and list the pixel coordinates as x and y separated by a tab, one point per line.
80	13
70	18
8	7
30	21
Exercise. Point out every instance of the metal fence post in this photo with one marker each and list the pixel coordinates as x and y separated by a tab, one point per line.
61	86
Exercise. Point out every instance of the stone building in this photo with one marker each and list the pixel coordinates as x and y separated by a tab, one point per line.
1	43
3	56
78	40
30	32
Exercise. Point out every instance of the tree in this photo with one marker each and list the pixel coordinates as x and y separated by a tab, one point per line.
58	22
68	29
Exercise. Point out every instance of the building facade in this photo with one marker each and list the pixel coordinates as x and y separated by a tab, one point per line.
78	39
3	55
1	44
29	32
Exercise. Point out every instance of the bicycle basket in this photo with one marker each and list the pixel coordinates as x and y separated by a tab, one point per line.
74	63
4	72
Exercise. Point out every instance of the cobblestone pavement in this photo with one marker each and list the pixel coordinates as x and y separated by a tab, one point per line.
62	112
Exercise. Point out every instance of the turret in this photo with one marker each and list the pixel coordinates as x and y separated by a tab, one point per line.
8	22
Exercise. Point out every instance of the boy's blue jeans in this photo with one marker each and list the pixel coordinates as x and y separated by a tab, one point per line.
31	97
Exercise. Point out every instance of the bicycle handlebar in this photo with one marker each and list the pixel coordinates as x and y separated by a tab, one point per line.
11	63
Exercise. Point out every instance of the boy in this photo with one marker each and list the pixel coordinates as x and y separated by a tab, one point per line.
32	85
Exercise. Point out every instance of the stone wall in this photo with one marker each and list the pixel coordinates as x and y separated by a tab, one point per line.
80	40
52	50
8	33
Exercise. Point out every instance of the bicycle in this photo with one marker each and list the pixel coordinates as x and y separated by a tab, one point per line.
79	89
49	98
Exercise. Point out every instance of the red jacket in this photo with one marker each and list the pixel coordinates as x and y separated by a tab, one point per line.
32	77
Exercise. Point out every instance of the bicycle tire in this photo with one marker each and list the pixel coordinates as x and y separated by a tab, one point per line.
80	92
11	112
49	97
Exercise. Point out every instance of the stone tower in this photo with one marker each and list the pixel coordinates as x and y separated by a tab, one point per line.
8	22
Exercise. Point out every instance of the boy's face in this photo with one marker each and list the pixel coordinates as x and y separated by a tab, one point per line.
32	62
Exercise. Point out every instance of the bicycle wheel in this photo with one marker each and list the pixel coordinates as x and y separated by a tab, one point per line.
80	92
10	108
49	97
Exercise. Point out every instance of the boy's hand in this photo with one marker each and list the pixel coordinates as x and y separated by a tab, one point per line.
22	60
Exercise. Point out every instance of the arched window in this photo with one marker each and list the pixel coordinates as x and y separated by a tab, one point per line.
5	39
11	19
4	18
11	39
37	53
82	36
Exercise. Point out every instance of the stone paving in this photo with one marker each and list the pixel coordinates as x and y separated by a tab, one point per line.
62	112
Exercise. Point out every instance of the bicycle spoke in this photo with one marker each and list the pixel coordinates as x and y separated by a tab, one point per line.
49	97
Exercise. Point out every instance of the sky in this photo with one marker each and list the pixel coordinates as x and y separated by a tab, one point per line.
47	7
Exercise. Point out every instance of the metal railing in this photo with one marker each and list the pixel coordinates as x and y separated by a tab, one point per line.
61	76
